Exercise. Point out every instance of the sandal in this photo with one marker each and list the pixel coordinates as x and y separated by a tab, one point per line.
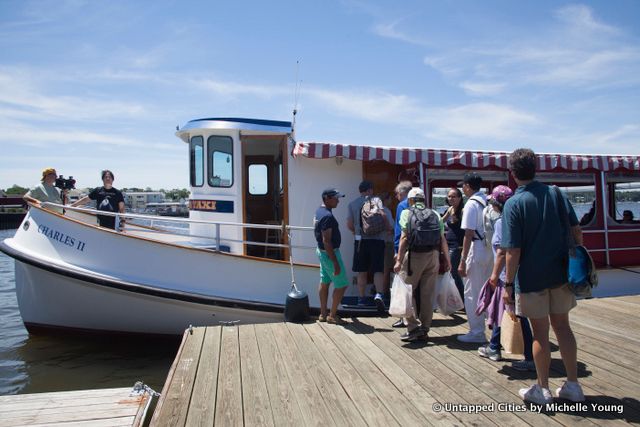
335	320
322	318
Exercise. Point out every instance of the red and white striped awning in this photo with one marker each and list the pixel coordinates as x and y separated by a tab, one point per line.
466	159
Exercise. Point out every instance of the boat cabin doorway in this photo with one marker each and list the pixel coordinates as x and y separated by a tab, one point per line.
385	176
264	193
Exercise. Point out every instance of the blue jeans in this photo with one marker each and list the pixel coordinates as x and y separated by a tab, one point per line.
527	337
454	256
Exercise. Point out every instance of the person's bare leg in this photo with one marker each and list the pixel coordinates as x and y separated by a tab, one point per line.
541	349
567	344
336	298
378	282
362	283
323	291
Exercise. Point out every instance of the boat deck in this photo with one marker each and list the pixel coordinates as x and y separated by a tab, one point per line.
91	408
362	374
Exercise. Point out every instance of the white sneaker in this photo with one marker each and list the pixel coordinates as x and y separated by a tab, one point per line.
470	337
572	391
536	394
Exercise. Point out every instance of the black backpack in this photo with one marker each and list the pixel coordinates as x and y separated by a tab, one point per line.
423	230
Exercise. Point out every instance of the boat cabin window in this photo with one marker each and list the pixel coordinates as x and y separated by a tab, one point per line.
258	179
220	161
583	200
627	203
196	156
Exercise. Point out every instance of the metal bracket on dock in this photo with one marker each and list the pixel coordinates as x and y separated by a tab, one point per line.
229	322
140	388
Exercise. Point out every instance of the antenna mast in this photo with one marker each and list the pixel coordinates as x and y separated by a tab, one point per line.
296	95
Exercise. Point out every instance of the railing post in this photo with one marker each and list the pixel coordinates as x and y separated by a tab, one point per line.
217	237
117	222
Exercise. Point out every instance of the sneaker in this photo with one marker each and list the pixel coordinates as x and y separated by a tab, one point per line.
572	391
322	318
398	323
335	320
379	303
524	365
417	334
477	338
487	351
536	394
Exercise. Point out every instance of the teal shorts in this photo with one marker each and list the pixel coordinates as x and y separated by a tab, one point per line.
326	269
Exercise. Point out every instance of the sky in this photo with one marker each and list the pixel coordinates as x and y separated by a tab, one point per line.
92	85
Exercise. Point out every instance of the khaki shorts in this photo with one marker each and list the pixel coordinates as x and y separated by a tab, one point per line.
536	305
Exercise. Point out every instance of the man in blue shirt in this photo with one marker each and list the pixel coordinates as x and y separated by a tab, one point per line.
402	190
327	233
534	240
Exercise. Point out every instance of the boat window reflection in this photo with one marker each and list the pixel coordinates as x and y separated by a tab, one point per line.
258	180
196	151
220	149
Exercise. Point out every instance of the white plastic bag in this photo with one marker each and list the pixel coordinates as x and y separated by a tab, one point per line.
401	298
447	295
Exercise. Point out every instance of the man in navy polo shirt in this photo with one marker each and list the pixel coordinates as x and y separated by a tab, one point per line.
327	233
534	239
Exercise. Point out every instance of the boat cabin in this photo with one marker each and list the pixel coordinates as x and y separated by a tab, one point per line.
254	171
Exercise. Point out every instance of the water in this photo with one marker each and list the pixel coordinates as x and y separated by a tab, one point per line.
47	362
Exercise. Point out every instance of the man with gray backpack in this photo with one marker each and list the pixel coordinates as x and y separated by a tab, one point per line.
368	222
421	242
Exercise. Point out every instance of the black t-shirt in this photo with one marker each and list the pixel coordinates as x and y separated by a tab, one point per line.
324	220
454	234
107	200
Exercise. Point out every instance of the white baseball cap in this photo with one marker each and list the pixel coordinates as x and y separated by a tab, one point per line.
416	192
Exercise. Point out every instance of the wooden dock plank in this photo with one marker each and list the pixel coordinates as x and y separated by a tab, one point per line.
255	396
402	410
174	402
229	397
428	371
312	405
343	410
110	407
284	402
362	374
410	389
487	369
201	410
366	400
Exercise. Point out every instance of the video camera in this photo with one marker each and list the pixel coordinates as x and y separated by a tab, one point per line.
65	183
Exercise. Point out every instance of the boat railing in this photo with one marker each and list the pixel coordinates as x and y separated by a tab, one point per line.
154	228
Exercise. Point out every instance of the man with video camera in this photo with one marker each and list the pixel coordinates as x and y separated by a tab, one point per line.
48	191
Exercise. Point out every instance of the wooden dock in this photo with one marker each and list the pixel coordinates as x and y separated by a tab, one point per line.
362	374
114	407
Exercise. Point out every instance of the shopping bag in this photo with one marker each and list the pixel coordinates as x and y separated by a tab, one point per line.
447	295
511	334
401	298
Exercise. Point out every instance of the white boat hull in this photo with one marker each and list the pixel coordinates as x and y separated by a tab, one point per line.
78	276
49	300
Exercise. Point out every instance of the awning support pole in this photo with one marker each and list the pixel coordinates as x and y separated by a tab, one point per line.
605	208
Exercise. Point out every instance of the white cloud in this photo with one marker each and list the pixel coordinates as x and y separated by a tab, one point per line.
482	89
479	121
20	90
576	50
579	19
390	30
